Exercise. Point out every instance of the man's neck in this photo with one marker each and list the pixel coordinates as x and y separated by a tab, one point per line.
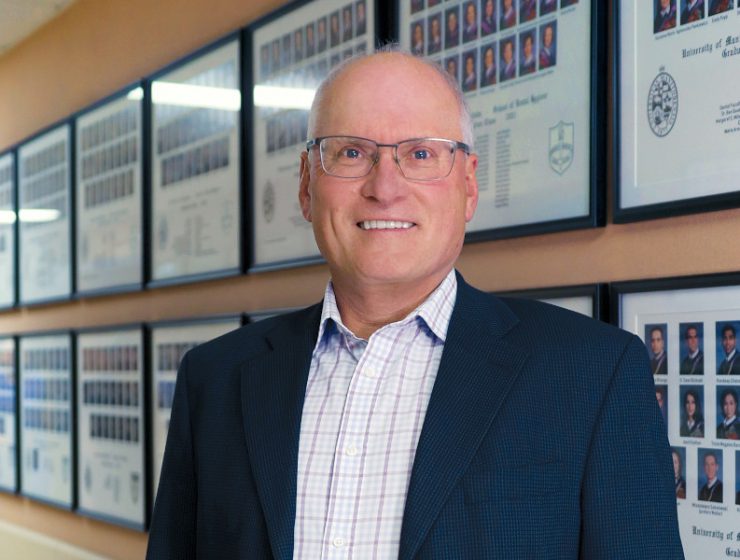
365	309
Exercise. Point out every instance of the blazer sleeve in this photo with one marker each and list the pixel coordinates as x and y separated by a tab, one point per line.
628	499
173	529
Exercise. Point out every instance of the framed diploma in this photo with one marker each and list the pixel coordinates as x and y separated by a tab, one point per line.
111	476
588	299
676	108
690	328
292	50
195	223
8	224
108	194
169	343
45	222
534	76
46	418
8	416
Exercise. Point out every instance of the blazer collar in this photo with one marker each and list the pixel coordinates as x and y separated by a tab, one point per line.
479	366
273	386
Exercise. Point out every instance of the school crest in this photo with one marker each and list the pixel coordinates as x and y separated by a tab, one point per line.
561	148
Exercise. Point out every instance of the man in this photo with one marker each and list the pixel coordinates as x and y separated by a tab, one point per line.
529	62
321	31
660	399
386	421
508	64
527	10
693	362
470	30
665	19
347	23
310	40
548	55
488	18
469	79
693	11
508	14
730	365
417	38
361	17
434	41
451	67
334	29
452	35
488	76
712	489
729	428
658	360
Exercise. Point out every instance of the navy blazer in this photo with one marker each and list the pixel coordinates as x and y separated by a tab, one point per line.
542	439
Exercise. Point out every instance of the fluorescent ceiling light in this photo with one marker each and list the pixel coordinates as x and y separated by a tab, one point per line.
37	215
187	95
283	97
7	217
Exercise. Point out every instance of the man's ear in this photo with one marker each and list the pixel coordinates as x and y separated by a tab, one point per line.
471	186
304	193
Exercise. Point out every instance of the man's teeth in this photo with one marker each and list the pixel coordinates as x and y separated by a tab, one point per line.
385	224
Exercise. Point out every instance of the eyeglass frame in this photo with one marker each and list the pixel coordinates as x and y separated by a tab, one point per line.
457	145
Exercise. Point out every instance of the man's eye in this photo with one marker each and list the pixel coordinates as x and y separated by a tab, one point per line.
421	153
350	153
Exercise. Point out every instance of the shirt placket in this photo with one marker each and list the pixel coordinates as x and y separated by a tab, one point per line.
352	444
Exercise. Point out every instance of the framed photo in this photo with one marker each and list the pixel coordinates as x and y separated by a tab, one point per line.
195	200
8	225
8	416
589	299
534	76
169	343
45	216
109	194
47	418
690	327
292	51
676	108
111	434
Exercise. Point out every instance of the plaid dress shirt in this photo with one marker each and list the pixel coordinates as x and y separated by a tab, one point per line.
363	412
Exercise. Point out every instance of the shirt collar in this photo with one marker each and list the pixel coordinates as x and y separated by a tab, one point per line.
434	312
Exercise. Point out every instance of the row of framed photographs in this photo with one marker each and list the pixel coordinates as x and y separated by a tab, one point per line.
84	415
191	173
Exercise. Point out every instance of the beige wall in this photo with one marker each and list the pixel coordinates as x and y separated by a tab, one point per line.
98	46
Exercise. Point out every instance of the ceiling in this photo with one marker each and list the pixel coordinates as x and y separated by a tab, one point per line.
20	18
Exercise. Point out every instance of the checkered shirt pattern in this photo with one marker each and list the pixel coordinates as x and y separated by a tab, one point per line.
362	416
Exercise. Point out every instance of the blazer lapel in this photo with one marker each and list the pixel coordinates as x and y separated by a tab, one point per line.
273	388
475	374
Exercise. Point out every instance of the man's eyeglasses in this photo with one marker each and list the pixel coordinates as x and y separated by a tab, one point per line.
419	159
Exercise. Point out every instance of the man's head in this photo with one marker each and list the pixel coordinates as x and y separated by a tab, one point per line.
728	338
692	338
452	21
489	9
659	397
547	36
676	463
710	465
435	27
664	4
691	403
527	46
488	57
656	341
384	229
469	65
729	403
508	51
470	13
507	5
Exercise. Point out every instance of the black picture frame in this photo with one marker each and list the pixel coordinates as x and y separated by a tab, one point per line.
32	418
212	155
100	394
162	377
663	137
104	143
9	425
595	294
279	238
593	190
9	229
45	160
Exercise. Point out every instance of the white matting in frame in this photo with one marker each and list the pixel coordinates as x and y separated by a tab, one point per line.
169	343
8	416
109	194
681	322
110	427
287	68
44	215
7	230
678	101
196	191
46	418
527	77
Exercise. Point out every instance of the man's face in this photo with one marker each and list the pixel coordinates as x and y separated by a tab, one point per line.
664	4
373	99
469	66
710	467
528	47
435	28
728	341
452	21
418	34
507	5
489	58
489	9
547	39
656	342
360	12
659	398
508	52
692	340
729	406
470	14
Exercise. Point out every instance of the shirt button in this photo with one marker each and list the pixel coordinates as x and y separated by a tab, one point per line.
351	451
338	542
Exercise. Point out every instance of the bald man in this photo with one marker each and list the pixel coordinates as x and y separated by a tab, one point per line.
409	415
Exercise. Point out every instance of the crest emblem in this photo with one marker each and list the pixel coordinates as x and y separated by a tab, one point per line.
662	104
268	202
560	152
